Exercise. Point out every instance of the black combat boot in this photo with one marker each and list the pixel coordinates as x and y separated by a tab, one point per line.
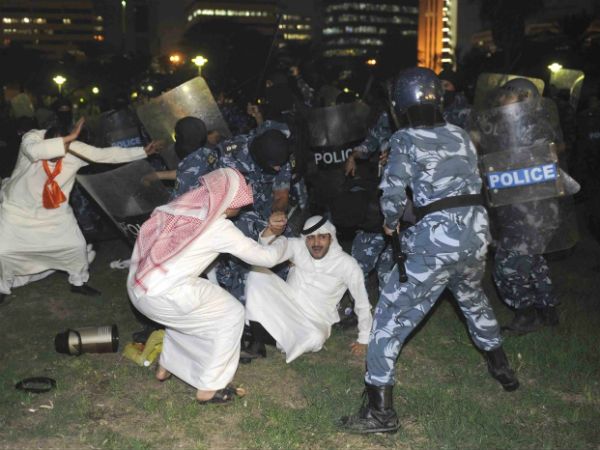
376	415
499	368
525	321
548	316
253	345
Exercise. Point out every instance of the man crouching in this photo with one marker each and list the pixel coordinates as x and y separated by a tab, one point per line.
298	313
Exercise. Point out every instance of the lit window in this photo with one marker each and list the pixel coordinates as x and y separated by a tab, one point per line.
25	20
66	21
7	20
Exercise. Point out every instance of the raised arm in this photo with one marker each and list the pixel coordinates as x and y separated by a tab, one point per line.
232	241
109	155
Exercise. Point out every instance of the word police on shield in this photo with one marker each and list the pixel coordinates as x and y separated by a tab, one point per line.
332	157
523	177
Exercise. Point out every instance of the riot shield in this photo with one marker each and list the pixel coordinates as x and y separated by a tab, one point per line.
337	125
488	83
523	181
192	98
128	195
570	80
119	129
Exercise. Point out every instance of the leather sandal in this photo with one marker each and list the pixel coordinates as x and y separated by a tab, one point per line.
225	395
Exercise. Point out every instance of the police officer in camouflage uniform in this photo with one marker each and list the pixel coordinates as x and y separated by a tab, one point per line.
196	159
446	247
521	272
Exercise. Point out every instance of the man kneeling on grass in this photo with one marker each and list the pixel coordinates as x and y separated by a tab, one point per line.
298	313
204	323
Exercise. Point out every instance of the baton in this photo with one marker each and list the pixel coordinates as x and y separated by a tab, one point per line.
399	257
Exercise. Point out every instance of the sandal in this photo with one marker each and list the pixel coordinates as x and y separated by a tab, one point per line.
225	395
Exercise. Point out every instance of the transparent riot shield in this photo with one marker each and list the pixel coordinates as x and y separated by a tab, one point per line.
337	125
128	195
192	98
570	80
119	129
488	83
525	186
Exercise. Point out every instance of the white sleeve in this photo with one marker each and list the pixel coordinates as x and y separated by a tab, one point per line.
233	241
355	281
36	148
109	155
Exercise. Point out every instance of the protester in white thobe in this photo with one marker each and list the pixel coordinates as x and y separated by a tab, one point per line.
35	239
299	312
204	323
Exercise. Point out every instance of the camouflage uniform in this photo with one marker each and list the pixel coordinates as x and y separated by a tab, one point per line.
372	250
194	166
445	248
235	153
459	112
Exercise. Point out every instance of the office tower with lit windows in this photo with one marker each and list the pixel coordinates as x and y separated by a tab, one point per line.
261	16
359	30
54	27
437	33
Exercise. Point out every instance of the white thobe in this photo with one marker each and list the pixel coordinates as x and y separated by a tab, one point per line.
35	239
300	311
204	323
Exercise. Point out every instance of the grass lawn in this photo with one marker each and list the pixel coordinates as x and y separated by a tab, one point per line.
444	396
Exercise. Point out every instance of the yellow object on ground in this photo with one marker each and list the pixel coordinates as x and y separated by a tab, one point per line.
144	355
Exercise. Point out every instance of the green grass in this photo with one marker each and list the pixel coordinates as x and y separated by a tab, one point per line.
444	397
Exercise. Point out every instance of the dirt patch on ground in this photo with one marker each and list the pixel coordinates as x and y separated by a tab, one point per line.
277	381
58	309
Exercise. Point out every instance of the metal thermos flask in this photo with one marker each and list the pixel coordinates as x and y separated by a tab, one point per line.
88	340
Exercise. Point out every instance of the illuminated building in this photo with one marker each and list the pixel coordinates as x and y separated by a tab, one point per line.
295	28
53	27
437	33
261	16
361	29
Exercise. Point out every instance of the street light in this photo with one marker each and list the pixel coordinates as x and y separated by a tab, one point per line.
59	80
199	61
95	90
555	67
372	62
175	58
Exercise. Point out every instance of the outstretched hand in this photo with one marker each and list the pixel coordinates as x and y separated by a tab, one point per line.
73	135
153	147
277	222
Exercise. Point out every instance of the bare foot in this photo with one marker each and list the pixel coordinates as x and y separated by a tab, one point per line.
162	374
204	396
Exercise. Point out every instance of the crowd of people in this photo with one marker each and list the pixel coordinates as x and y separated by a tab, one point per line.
225	271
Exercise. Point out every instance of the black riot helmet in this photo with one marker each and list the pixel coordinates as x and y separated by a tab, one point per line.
521	88
270	149
417	97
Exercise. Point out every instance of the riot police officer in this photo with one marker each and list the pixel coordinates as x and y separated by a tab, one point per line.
445	248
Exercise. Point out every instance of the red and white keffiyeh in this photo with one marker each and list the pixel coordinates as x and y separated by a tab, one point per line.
175	225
